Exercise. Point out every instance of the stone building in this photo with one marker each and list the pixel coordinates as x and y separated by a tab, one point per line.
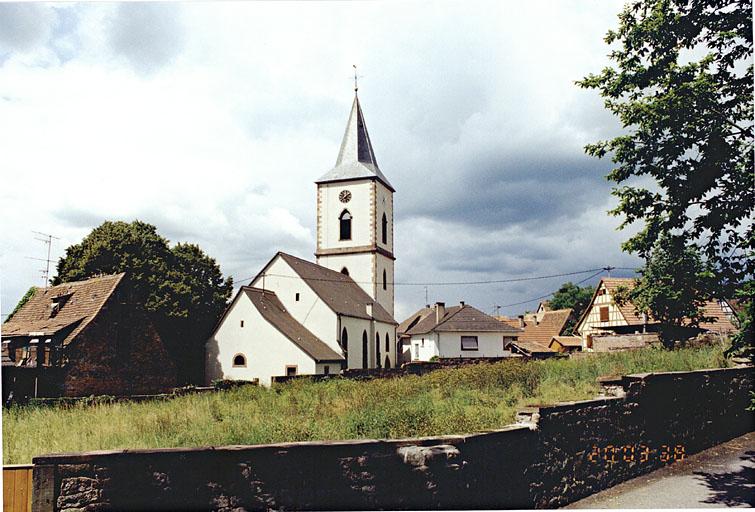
331	315
83	338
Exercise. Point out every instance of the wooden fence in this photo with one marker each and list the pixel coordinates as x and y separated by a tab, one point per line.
17	486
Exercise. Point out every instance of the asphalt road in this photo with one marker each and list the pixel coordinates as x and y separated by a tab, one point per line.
722	476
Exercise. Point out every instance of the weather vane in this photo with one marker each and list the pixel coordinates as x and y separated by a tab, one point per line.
356	87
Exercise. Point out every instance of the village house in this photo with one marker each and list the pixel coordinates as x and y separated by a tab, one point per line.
604	316
83	338
539	330
459	331
299	317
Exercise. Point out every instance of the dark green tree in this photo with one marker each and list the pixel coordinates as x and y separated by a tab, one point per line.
28	295
682	87
674	286
181	288
571	296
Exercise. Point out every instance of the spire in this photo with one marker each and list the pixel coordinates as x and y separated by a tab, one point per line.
356	158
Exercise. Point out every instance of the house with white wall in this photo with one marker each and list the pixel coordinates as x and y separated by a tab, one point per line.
343	302
459	331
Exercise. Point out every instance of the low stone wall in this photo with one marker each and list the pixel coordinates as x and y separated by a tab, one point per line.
555	455
616	342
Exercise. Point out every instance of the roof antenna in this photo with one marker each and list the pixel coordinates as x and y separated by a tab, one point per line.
47	239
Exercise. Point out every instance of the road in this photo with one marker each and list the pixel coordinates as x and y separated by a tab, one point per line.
722	476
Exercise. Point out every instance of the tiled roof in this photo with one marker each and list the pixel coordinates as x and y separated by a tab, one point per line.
272	310
552	324
458	319
513	322
413	320
530	347
85	299
712	308
568	341
337	290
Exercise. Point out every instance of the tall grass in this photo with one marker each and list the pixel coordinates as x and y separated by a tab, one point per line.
447	401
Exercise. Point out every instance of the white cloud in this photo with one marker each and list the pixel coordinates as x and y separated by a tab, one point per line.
212	121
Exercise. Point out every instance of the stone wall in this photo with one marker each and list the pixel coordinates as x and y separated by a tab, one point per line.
554	455
615	342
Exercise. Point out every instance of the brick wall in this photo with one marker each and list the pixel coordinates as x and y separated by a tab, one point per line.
118	353
545	461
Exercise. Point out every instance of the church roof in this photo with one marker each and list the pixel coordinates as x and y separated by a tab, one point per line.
356	158
339	291
272	310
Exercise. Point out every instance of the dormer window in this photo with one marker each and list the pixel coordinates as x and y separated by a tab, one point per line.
57	304
345	225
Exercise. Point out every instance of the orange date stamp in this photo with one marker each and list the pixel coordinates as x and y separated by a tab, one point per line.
628	453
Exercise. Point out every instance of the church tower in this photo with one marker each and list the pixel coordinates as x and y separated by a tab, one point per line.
355	215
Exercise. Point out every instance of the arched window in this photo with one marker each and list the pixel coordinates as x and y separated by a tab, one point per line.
385	281
364	349
385	229
344	340
377	349
387	344
345	271
239	361
345	222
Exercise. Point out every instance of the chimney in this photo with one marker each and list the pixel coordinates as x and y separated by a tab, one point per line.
369	308
440	311
521	321
462	303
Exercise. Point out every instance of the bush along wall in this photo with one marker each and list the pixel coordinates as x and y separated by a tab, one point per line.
554	455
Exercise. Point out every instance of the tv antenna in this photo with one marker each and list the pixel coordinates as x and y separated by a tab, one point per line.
496	310
47	239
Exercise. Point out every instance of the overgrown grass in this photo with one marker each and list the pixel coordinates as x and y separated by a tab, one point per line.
448	401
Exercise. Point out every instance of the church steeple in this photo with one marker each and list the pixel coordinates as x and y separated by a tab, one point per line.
356	158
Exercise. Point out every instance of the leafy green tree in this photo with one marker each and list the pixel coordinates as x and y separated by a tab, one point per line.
181	288
743	341
571	296
682	87
674	286
28	295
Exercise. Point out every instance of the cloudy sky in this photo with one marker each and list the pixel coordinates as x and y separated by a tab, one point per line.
212	121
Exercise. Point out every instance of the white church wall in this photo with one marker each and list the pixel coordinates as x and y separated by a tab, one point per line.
266	350
309	310
358	265
383	204
359	206
384	296
355	327
382	329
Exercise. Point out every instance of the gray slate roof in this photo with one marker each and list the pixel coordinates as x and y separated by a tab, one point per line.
338	291
272	310
457	319
356	158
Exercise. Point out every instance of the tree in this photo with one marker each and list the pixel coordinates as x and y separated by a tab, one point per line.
181	288
571	296
674	286
683	89
28	295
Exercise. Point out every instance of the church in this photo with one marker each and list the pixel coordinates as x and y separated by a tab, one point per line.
302	318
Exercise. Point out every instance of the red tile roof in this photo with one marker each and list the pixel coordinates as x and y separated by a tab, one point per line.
552	324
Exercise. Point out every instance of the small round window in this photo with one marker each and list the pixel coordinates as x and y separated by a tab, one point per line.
239	360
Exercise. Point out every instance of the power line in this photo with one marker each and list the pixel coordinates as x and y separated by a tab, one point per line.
551	293
440	283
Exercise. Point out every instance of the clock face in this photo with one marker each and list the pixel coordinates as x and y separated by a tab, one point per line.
344	196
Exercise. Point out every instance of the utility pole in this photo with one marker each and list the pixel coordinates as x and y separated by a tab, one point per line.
609	269
47	239
496	310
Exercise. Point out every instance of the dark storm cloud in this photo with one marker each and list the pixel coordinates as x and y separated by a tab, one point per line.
150	35
24	26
